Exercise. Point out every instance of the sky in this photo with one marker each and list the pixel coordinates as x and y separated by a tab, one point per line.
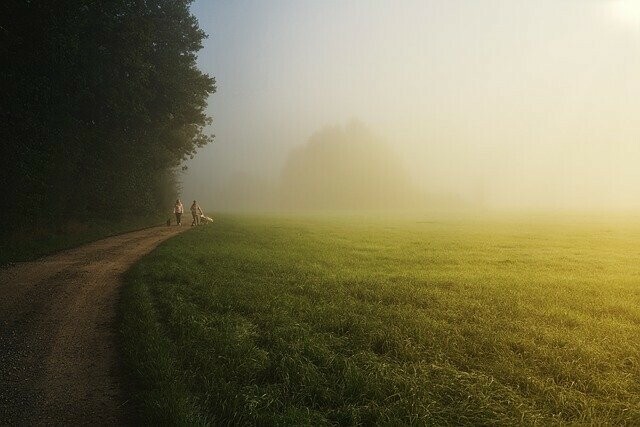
509	104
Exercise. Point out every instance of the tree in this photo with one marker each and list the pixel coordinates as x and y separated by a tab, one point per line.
102	101
347	168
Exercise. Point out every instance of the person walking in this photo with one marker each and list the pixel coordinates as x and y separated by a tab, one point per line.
178	209
196	211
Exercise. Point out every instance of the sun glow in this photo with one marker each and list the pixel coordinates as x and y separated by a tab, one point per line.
627	12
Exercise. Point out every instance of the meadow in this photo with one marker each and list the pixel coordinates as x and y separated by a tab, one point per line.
378	320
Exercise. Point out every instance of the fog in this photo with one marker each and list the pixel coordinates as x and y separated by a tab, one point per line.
453	104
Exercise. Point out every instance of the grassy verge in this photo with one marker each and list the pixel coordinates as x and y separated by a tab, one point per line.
25	247
318	321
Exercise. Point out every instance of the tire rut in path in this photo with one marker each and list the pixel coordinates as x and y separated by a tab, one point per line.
58	355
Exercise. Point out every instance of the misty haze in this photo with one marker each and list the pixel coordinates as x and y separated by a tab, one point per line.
320	212
340	168
503	105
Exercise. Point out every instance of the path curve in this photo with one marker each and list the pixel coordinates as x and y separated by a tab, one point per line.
58	356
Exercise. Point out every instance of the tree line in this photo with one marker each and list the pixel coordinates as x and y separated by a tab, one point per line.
101	103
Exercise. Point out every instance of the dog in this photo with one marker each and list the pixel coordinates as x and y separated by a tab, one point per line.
169	222
205	219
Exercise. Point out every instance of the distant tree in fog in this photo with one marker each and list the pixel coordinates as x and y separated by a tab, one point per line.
347	168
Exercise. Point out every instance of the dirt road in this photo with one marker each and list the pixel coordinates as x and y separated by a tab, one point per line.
58	353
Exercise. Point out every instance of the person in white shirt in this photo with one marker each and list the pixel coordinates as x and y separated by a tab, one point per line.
178	209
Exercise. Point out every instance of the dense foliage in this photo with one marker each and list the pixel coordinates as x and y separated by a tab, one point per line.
101	103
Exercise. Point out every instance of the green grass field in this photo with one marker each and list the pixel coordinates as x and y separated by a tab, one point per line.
356	320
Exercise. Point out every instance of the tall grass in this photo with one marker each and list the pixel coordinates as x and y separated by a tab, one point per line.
276	320
30	241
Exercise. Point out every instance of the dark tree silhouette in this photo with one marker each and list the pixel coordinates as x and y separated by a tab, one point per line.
101	103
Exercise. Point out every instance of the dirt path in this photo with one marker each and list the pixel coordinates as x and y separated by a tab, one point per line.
58	355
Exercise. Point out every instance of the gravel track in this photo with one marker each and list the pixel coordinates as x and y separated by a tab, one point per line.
59	362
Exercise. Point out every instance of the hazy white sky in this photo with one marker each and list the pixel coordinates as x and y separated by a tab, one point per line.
517	103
